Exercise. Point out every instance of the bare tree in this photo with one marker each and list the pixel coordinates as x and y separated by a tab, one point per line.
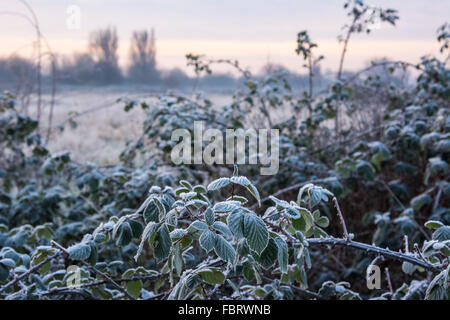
143	57
103	45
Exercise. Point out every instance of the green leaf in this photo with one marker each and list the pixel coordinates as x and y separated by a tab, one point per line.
178	233
172	218
254	192
162	243
93	257
433	224
4	273
245	182
365	169
134	288
161	208
242	248
323	222
209	216
41	254
291	212
222	228
80	251
124	234
241	199
197	225
224	249
283	254
236	223
149	229
437	288
256	233
226	206
8	262
420	201
248	271
269	255
218	184
408	267
179	191
199	189
241	180
308	217
186	184
212	276
259	292
207	240
151	212
136	227
281	204
442	234
178	259
299	224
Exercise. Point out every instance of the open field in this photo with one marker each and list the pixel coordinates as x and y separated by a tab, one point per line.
99	136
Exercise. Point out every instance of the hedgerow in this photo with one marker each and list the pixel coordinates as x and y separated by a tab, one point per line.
371	191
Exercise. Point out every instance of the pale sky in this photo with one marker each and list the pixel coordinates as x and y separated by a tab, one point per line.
252	31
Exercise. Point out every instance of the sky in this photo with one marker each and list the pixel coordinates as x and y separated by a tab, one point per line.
253	31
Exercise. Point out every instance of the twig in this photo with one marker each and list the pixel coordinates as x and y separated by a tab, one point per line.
406	244
388	277
416	248
26	274
95	270
341	218
391	192
437	199
377	258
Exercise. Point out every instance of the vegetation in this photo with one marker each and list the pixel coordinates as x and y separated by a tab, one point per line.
363	181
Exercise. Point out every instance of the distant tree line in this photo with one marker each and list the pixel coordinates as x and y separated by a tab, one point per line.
99	65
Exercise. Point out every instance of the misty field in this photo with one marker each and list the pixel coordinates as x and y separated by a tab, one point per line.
101	134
